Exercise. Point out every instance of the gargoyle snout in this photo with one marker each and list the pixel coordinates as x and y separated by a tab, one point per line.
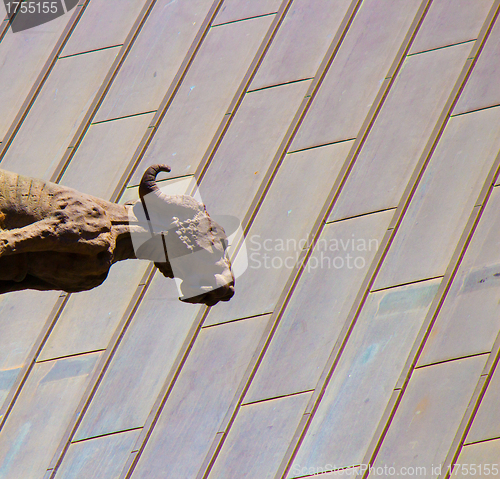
208	289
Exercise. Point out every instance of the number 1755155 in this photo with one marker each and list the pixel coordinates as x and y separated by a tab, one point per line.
32	7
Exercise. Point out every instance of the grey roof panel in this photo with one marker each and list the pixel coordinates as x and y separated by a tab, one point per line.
484	459
458	332
444	199
248	148
8	378
116	142
142	362
22	57
261	431
427	419
301	42
204	96
233	10
35	427
22	315
74	334
104	23
400	132
315	316
281	229
486	423
448	22
55	116
99	458
149	68
363	381
347	93
482	89
203	392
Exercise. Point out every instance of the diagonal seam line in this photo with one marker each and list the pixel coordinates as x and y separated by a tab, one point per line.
182	357
57	458
29	363
470	414
191	337
320	222
144	283
286	464
388	415
247	221
103	90
241	91
244	19
15	390
494	355
167	99
100	371
41	79
5	26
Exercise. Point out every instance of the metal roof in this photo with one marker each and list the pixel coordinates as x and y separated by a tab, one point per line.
357	142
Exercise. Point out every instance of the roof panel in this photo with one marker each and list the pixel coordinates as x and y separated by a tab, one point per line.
38	422
448	22
22	315
116	142
315	315
202	394
99	458
348	91
252	139
74	334
400	132
55	116
262	431
301	42
233	10
430	412
204	96
104	23
486	424
444	200
142	362
457	331
363	382
149	68
22	56
281	229
483	457
482	89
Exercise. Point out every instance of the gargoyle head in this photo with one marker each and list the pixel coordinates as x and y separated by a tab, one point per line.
183	241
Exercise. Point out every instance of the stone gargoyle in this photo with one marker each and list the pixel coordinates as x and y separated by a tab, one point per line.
56	238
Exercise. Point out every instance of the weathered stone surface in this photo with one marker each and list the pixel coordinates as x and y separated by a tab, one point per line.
54	237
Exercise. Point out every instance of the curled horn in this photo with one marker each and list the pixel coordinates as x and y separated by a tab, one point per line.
148	182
